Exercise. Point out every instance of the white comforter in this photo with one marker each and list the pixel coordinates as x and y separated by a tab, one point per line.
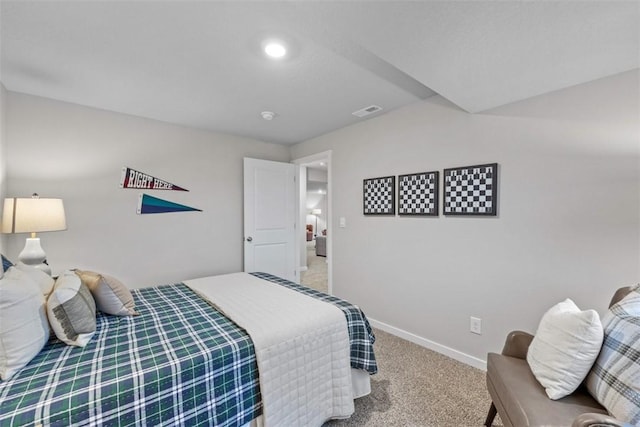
301	344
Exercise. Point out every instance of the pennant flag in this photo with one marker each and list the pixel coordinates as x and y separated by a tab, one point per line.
150	205
132	178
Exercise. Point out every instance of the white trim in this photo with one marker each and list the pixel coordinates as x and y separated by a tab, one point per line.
299	224
303	268
431	345
326	156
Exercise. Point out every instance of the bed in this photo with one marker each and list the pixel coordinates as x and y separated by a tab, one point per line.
180	362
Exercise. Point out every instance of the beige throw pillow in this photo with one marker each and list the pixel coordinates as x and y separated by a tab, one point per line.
72	310
111	296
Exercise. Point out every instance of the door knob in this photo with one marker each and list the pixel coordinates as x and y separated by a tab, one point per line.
249	239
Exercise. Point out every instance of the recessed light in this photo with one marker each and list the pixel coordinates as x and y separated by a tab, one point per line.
268	115
275	50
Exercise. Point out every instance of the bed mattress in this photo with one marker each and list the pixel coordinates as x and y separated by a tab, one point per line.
180	362
301	345
361	335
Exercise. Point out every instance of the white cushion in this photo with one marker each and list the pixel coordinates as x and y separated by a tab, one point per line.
614	380
72	310
40	277
564	348
111	296
24	329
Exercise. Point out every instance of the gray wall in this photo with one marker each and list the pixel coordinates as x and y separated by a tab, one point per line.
76	153
3	155
568	223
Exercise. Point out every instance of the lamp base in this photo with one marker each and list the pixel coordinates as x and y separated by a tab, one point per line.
34	256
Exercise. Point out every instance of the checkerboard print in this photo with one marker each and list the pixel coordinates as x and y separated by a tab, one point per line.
379	196
418	194
471	190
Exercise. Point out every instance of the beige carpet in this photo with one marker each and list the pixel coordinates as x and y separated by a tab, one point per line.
416	387
316	274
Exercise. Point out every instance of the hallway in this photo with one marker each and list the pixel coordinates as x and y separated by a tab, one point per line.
316	274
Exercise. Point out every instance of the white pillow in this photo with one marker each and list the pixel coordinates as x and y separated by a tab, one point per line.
40	277
72	310
24	329
564	348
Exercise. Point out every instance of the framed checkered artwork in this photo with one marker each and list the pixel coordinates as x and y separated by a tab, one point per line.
418	194
379	196
471	190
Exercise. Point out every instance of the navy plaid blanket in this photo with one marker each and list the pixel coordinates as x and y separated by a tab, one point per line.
180	362
360	333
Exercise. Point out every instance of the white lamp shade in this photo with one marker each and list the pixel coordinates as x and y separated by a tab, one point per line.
316	211
33	215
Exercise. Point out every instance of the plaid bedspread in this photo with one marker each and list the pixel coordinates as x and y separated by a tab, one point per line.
361	335
180	362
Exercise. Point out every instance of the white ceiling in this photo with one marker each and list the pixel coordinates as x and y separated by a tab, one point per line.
199	64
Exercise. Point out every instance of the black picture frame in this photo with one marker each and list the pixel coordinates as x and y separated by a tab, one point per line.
471	190
418	194
378	196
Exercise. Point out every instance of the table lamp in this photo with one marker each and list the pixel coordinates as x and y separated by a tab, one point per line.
34	215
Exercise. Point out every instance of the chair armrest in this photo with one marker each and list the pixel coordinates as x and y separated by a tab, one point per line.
517	344
592	419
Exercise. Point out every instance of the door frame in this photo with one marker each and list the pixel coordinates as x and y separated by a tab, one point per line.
301	162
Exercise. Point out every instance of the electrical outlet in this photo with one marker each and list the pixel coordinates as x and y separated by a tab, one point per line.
475	325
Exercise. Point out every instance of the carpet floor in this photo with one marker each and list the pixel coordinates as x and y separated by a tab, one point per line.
417	387
414	386
316	274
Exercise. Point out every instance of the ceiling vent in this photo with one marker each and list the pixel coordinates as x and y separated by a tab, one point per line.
367	110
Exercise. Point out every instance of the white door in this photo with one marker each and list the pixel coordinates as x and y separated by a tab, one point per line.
270	218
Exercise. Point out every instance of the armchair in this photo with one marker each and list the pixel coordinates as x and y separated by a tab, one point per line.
520	399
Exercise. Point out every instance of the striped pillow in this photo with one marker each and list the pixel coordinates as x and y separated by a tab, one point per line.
614	380
72	310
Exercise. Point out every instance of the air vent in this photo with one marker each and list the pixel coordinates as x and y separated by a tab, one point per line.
367	110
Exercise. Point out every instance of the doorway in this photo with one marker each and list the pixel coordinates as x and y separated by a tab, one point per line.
314	241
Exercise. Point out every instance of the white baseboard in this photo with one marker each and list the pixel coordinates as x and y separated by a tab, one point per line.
301	269
431	345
